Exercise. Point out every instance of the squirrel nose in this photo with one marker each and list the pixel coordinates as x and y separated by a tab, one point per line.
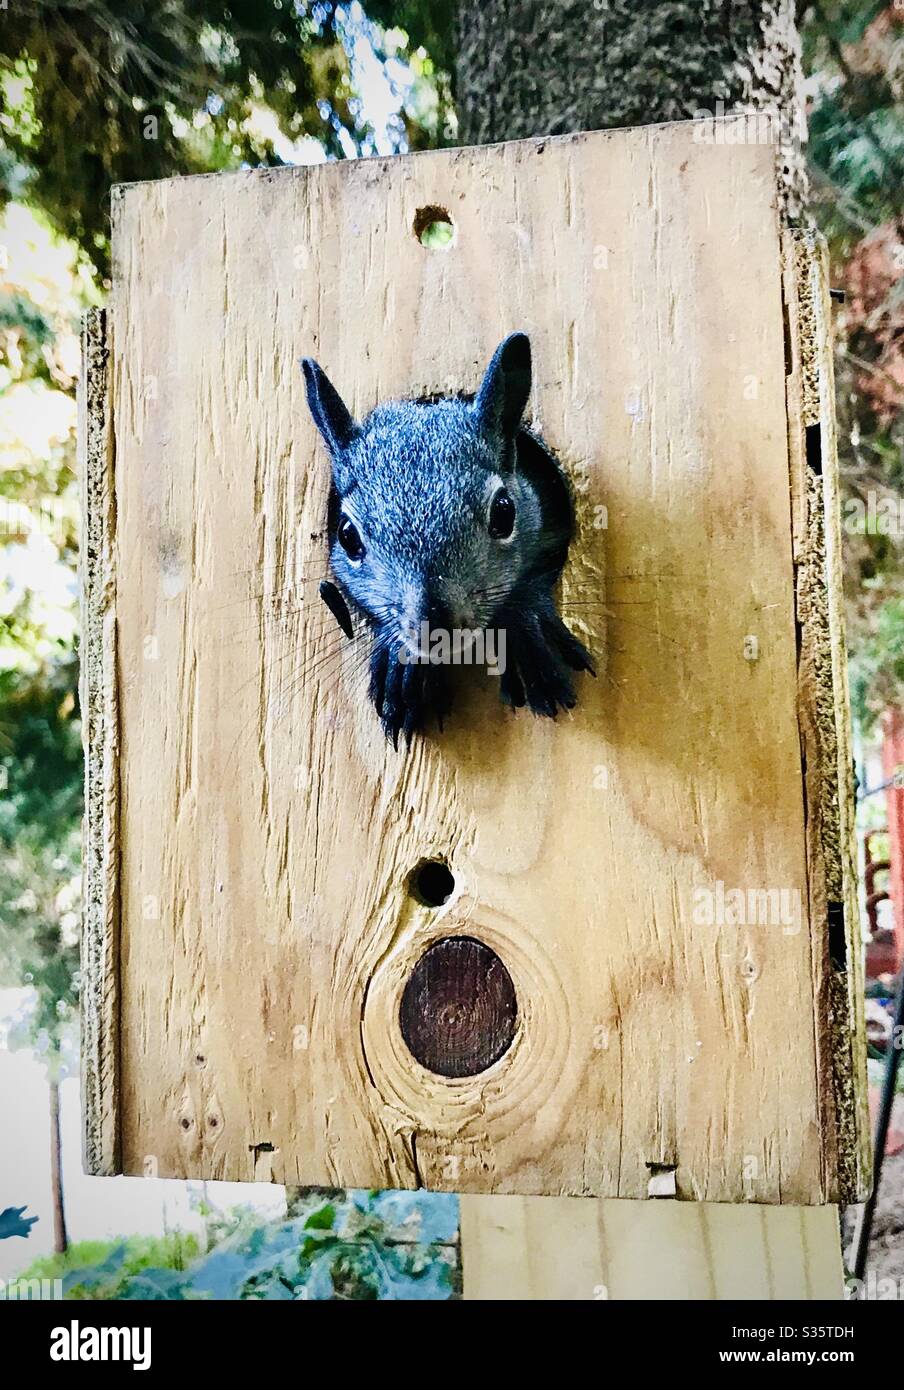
422	615
437	614
422	604
455	604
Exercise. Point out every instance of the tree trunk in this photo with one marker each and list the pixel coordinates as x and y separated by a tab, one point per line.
60	1237
531	67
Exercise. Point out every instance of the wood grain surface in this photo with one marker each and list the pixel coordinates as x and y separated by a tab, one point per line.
554	1248
268	833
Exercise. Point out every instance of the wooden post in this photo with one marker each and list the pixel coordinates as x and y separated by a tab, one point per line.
533	1248
657	889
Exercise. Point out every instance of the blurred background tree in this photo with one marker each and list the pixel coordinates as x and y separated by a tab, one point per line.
99	92
855	55
96	92
41	295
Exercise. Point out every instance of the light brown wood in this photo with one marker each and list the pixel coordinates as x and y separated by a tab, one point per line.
268	831
537	1248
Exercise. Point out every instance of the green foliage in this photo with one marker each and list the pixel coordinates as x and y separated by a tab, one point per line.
360	1245
40	737
154	90
20	318
852	54
877	666
856	124
131	76
40	755
321	1220
99	1269
429	23
40	810
438	235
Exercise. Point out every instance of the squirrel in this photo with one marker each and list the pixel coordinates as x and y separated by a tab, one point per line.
449	515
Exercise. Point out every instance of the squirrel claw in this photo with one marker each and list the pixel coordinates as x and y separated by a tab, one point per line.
379	665
512	689
406	695
569	648
543	649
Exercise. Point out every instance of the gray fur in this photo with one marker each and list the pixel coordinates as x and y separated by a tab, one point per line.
417	481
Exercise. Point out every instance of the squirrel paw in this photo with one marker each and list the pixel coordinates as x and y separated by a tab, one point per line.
540	651
569	648
547	688
406	695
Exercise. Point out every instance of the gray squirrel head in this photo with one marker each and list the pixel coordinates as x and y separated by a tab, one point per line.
432	520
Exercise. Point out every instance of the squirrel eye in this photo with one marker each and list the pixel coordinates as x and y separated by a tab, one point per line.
350	540
502	516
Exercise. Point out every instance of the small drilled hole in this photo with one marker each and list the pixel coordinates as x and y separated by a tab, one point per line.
433	228
432	883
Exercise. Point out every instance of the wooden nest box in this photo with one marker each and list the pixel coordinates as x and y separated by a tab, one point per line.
614	955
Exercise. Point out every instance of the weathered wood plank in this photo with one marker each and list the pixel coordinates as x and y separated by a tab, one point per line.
269	833
535	1248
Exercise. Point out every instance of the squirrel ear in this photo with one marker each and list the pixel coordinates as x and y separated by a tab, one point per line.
504	390
331	415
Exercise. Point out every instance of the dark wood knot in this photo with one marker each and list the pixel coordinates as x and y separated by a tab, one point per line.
458	1011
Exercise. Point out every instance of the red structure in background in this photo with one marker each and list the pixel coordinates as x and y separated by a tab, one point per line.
881	947
885	948
893	769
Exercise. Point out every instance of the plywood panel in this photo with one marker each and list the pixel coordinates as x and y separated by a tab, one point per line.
98	699
267	829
